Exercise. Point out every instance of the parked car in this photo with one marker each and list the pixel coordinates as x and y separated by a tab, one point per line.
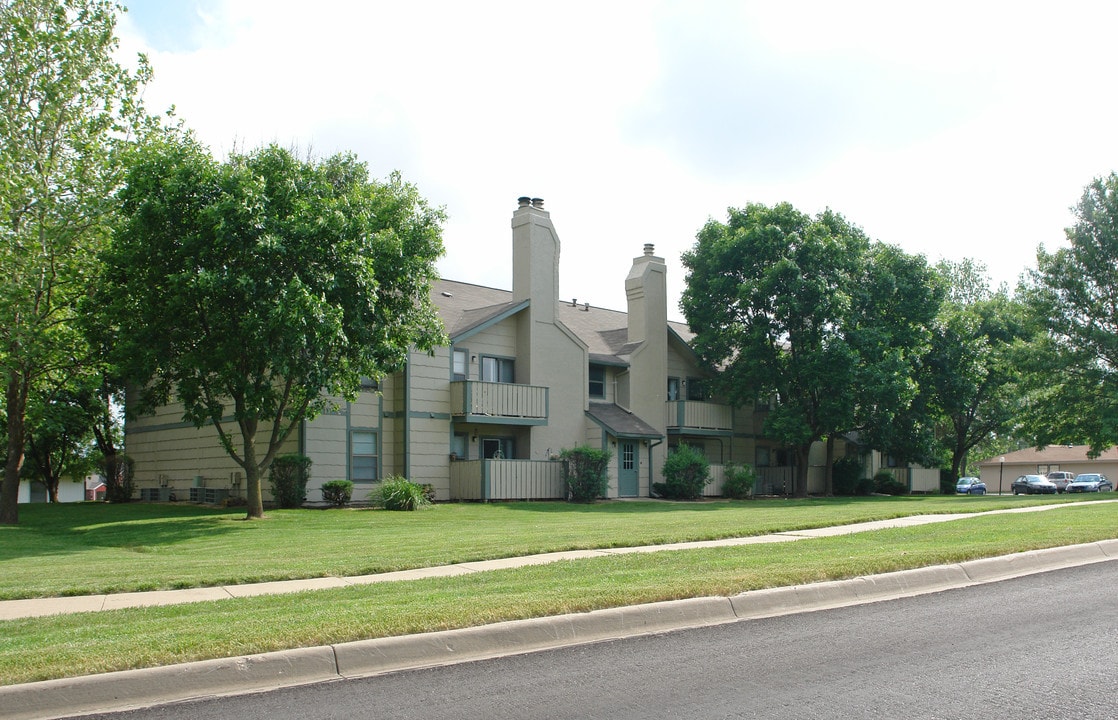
1033	485
1060	478
970	486
1090	482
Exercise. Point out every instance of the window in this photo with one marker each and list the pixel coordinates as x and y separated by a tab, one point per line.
363	456
763	459
496	448
695	389
494	369
368	383
628	455
459	446
597	381
460	357
673	388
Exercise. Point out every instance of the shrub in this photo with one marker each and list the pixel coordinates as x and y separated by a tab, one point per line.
337	492
885	483
846	476
686	473
288	476
739	481
397	493
584	474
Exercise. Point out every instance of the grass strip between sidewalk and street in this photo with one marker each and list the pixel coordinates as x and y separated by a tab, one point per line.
87	643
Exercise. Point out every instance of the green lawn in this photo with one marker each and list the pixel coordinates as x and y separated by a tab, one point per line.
80	549
62	646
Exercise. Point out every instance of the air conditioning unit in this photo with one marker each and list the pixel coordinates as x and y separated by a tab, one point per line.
235	479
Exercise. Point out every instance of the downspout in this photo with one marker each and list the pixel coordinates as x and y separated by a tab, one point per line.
650	446
407	419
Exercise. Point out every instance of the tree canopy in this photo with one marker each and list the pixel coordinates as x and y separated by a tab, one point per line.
67	109
971	373
258	290
1073	296
808	310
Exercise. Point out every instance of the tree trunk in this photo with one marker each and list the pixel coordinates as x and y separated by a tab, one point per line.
16	406
802	453
252	472
829	472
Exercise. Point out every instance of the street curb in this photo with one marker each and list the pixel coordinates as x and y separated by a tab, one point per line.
131	689
373	657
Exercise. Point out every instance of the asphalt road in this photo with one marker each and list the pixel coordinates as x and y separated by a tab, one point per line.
1041	646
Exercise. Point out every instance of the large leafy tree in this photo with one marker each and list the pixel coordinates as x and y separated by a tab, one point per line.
971	379
252	291
66	108
1072	369
809	310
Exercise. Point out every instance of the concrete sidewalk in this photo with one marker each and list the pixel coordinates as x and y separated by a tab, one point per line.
39	607
142	688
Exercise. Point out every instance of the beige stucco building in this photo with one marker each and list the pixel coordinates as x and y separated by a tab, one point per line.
525	376
1000	471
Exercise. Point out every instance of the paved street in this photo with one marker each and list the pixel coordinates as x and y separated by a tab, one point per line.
1044	645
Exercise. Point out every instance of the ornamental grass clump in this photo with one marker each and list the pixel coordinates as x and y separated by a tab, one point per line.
397	493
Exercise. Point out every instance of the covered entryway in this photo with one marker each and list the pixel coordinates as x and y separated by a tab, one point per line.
627	437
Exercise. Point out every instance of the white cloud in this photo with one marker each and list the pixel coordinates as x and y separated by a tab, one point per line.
955	130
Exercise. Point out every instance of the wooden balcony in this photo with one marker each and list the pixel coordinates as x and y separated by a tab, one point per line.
697	417
505	403
506	480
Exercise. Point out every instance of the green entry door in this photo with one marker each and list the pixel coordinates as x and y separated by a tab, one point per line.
628	474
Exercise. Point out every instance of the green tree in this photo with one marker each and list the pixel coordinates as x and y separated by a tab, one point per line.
810	311
1072	367
256	291
66	108
971	383
59	441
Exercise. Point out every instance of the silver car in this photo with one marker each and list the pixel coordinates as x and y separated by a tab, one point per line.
1090	482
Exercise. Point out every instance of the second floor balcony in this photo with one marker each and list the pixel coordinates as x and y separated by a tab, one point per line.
506	403
698	416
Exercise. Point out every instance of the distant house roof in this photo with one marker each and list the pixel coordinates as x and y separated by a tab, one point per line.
1063	454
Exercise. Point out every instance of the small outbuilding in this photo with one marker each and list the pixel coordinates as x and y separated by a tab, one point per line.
1000	471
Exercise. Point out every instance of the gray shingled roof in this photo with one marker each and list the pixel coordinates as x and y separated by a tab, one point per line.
463	306
620	422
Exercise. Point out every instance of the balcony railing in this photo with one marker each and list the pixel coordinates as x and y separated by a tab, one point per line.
476	401
693	414
506	480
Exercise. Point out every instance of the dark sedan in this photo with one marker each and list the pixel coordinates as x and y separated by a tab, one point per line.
1033	485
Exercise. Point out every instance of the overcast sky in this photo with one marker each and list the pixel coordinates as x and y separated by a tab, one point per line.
952	129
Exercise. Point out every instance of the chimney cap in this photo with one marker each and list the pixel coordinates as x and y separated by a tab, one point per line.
649	249
524	201
537	203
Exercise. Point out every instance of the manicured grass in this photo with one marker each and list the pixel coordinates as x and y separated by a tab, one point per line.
79	549
63	646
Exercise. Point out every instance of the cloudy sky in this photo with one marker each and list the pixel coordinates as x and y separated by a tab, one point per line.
952	129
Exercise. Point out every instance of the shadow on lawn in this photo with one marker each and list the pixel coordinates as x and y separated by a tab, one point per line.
46	529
